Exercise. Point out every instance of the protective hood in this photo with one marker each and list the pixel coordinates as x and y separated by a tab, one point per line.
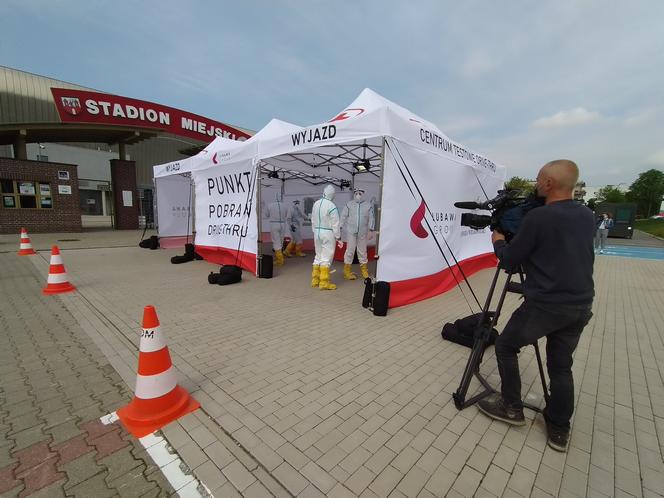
328	192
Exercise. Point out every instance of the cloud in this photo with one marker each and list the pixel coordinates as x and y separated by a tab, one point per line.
461	124
656	159
477	64
643	117
573	117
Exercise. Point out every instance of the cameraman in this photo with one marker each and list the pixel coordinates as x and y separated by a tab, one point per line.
554	246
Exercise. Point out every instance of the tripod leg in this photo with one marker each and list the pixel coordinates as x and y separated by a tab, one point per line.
475	358
472	368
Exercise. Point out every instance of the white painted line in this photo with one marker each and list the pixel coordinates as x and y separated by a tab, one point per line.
109	419
191	490
175	470
160	454
150	440
185	484
178	479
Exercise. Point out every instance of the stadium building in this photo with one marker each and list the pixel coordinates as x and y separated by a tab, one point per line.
73	157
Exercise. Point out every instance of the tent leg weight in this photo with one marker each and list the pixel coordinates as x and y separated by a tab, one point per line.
189	255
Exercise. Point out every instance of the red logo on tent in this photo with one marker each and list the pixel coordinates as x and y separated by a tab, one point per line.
214	158
416	222
348	113
71	105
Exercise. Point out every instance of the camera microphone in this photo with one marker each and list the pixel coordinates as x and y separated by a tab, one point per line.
467	205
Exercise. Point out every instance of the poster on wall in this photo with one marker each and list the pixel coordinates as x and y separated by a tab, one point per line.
26	188
64	189
127	198
226	226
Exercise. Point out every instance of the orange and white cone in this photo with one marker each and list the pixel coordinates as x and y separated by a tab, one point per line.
57	282
25	249
158	399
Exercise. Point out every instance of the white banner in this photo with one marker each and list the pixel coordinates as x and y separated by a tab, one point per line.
226	210
420	227
174	194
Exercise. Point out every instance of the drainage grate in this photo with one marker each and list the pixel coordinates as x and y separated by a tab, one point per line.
69	240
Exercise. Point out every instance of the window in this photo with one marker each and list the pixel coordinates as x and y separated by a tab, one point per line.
25	195
623	215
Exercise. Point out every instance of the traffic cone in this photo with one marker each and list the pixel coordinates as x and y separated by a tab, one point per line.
25	249
158	400
57	282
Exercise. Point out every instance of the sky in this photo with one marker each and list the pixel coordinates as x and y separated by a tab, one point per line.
521	82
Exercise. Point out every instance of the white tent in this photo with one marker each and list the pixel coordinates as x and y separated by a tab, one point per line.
174	186
417	172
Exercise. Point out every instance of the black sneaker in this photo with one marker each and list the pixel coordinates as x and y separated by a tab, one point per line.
495	407
557	437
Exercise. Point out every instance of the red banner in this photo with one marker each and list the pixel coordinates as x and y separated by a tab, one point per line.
79	106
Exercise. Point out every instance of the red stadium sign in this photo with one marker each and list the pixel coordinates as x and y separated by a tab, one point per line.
79	106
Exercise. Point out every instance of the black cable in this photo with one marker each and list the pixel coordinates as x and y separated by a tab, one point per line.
248	201
442	252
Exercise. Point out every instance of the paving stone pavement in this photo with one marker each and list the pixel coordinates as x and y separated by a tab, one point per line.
54	386
305	393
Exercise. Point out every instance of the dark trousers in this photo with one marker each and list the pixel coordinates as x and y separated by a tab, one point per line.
562	326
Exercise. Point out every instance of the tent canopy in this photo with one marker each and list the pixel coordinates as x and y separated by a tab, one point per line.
416	171
351	142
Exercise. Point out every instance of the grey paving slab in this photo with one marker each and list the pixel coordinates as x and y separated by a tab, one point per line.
316	380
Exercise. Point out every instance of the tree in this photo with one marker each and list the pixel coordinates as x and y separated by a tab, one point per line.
610	194
647	191
521	184
592	203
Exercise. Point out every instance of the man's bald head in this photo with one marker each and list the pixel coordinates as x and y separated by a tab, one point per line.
563	173
557	179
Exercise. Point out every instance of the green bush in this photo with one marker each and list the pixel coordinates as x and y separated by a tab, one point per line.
653	227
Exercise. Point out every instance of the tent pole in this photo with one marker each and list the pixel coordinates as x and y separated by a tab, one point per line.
259	213
379	215
155	210
192	213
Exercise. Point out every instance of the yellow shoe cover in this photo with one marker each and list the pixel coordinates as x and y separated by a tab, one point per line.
364	270
278	258
298	251
315	275
325	283
348	275
289	249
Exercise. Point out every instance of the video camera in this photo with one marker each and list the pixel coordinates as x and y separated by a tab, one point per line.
507	212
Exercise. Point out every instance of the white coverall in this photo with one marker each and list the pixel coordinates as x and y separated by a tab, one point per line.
295	220
277	213
357	219
325	225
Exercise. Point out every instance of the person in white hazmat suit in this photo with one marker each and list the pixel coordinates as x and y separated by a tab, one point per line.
325	225
295	225
278	214
357	220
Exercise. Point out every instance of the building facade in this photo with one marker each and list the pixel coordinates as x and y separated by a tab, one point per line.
48	125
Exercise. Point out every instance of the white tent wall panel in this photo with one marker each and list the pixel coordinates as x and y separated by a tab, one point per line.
226	213
174	197
408	248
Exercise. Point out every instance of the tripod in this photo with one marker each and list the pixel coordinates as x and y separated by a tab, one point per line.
487	322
